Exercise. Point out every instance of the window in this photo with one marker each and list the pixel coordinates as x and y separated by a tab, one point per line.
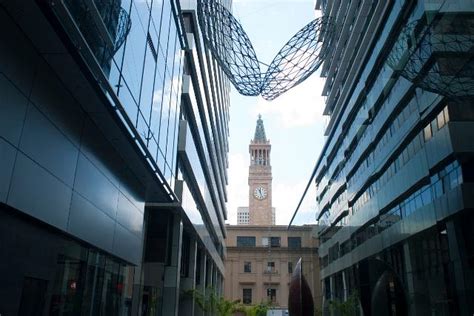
275	242
440	119
290	267
247	296
271	267
271	295
294	242
427	132
245	241
247	266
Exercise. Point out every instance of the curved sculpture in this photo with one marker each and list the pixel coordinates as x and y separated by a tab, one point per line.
388	296
123	28
230	46
300	299
435	58
299	58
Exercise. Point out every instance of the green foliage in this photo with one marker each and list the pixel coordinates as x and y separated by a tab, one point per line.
212	302
257	310
217	305
348	308
318	312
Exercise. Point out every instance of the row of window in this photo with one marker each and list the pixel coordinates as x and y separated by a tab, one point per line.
408	153
446	179
377	85
247	295
396	124
273	242
269	269
457	112
362	167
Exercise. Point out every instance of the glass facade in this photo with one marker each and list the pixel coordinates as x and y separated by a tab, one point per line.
393	178
91	283
138	47
59	275
108	100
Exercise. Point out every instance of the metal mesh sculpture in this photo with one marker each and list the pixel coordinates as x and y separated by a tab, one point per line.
297	60
104	25
230	46
436	57
123	28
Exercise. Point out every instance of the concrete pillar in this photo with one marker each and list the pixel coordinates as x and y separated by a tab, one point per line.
201	287
458	258
186	304
409	280
172	271
210	280
332	294
344	285
137	290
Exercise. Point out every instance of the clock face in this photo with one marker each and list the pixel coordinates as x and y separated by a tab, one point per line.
260	193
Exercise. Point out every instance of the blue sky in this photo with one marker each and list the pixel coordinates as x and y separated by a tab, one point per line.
293	122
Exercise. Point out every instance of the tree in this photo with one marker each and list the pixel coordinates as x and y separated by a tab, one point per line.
346	308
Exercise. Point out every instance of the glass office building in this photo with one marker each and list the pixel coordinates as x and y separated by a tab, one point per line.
394	180
113	158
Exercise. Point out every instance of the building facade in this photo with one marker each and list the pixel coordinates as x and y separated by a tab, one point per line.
113	157
260	262
394	180
243	216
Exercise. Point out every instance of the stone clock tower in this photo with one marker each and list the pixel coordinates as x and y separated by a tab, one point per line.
260	209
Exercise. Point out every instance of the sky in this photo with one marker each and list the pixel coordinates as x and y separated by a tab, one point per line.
293	122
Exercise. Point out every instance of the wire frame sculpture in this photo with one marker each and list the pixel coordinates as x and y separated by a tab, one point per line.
438	57
123	28
230	46
299	58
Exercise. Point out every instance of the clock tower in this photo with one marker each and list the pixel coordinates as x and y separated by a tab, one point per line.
260	209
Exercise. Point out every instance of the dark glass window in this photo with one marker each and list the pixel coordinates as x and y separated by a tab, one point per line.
275	242
290	267
247	296
294	242
246	241
247	266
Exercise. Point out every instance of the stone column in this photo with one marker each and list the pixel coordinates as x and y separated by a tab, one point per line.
172	271
186	304
201	287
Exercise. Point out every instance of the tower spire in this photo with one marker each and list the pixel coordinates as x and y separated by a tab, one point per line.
260	131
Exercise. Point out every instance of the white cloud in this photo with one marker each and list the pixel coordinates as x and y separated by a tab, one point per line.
286	197
299	107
